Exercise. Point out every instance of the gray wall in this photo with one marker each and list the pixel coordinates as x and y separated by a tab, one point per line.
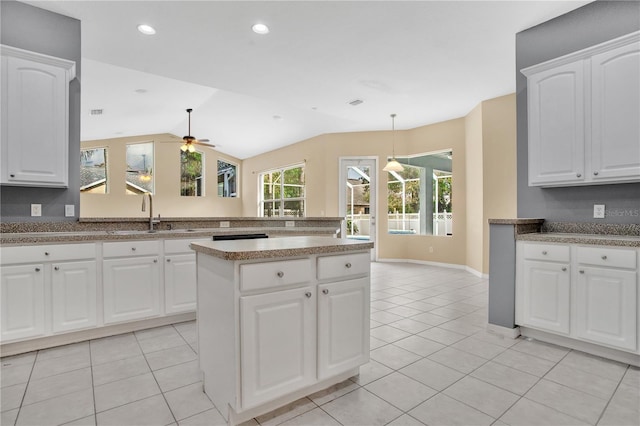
38	30
589	25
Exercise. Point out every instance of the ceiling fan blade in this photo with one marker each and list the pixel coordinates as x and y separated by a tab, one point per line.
204	142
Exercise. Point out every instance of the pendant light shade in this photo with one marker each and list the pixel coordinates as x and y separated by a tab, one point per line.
393	165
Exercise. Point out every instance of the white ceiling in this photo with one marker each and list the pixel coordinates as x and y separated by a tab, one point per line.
426	61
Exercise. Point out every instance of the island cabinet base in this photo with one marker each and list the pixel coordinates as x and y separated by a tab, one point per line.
275	329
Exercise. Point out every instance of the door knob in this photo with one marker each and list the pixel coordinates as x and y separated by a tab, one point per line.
280	274
308	294
325	291
348	265
56	268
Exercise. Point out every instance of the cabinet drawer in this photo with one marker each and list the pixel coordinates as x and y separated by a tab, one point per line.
604	256
257	276
181	245
343	266
45	253
131	248
550	252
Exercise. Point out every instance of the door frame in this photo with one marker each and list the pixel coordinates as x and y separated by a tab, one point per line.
344	161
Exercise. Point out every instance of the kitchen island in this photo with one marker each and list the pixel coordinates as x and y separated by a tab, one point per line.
279	319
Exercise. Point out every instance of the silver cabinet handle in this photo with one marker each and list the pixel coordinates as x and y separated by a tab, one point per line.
133	249
595	173
348	265
12	175
544	252
37	269
578	175
57	268
604	257
168	260
564	269
46	253
325	291
308	294
155	260
581	271
280	274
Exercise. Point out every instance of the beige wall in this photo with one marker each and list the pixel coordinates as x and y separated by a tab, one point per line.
474	195
166	199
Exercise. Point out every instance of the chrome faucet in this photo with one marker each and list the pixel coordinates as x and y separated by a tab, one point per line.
144	208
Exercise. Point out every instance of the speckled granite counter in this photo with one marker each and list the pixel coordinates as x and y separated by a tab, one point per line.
589	239
278	247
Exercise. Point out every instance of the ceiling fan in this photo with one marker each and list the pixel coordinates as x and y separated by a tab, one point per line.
189	141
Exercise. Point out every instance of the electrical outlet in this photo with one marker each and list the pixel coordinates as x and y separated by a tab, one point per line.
430	249
289	223
36	209
69	210
224	224
598	211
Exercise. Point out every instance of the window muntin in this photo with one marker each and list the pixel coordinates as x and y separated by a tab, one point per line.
191	174
93	171
227	179
139	173
282	192
420	197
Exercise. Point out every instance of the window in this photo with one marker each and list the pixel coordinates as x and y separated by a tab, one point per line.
93	170
191	174
420	196
282	192
227	179
139	172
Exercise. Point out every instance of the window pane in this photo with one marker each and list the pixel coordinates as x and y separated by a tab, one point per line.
271	208
93	170
227	179
294	208
191	174
294	183
139	159
278	186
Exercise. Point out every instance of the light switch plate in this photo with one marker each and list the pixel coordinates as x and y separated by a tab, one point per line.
598	211
224	224
69	210
36	209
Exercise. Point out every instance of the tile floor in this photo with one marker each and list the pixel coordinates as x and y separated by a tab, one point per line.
431	363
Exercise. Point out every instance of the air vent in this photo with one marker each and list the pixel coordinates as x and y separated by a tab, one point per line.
95	112
356	102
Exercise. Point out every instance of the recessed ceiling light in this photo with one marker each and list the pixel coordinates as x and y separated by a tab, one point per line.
146	29
260	29
140	91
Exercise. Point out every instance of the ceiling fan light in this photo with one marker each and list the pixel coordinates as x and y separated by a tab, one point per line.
191	148
184	147
393	166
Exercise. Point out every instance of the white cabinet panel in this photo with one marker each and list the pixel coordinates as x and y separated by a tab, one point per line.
73	295
257	276
616	113
546	296
22	301
343	266
180	283
278	344
35	118
131	288
606	306
343	326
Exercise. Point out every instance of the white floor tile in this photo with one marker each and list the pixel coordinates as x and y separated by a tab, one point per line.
482	396
394	357
443	410
287	412
207	418
401	391
432	374
60	384
178	376
63	364
458	360
151	411
583	381
118	370
361	407
529	413
59	410
187	401
124	391
504	377
315	417
333	392
419	345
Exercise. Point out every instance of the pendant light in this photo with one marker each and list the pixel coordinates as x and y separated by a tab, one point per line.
393	165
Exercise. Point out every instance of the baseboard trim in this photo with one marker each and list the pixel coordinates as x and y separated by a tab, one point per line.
441	264
15	348
512	333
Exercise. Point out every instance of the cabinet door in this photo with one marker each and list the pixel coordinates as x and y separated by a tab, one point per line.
22	301
131	288
35	139
605	306
556	125
277	344
616	112
343	326
180	283
546	290
73	295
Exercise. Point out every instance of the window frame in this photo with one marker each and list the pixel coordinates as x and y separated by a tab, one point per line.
281	200
83	189
203	186
152	167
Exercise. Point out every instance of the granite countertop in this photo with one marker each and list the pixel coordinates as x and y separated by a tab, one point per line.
269	248
579	238
119	235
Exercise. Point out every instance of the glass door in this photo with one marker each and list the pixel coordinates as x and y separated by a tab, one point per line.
358	178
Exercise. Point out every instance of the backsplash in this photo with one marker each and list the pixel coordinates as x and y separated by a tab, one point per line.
592	228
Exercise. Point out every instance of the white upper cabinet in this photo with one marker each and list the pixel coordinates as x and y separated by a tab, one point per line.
583	115
35	119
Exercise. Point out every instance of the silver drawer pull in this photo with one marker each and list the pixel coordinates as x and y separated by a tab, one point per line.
57	268
564	269
155	260
168	260
604	257
595	173
578	175
46	253
308	294
544	252
348	265
582	271
280	274
37	269
133	249
325	291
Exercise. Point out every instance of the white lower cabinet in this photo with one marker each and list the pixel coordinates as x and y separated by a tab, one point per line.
343	314
131	288
546	290
73	295
278	343
23	301
180	283
588	293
